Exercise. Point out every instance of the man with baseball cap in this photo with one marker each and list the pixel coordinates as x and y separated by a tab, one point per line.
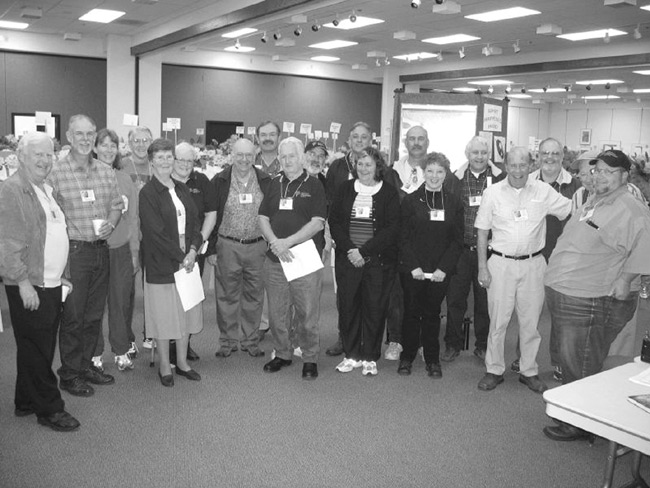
315	157
592	279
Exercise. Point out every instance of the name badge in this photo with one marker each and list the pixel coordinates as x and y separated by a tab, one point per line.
350	176
475	201
245	198
438	215
362	212
488	181
180	219
521	215
588	215
87	196
125	199
286	204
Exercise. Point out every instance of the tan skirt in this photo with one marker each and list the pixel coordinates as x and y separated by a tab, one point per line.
164	314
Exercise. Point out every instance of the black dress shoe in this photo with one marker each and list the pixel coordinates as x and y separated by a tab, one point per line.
276	364
309	371
190	374
23	411
434	371
96	377
60	421
566	432
404	368
77	387
490	381
533	383
167	380
191	354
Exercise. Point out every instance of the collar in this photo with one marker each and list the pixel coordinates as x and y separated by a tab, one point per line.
460	172
564	178
301	175
608	199
159	186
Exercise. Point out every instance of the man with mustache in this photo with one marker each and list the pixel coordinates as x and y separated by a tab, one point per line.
268	136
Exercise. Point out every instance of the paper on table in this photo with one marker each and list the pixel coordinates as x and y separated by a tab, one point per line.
190	287
643	378
1	329
305	260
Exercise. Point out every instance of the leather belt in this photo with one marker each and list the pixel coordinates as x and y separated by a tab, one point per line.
517	258
471	248
97	243
243	241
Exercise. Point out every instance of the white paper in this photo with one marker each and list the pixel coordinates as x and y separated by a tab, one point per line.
335	127
200	132
251	130
174	123
130	120
42	117
190	287
305	128
288	127
428	276
642	378
1	329
239	129
318	134
305	260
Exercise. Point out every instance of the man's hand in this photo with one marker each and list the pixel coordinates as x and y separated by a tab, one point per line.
135	261
67	283
280	247
355	257
620	289
417	274
484	277
212	259
188	262
29	296
105	230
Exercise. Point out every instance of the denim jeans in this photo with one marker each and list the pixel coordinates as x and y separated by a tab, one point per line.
587	327
304	294
84	308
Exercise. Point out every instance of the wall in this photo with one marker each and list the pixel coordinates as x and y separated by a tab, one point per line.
57	84
199	94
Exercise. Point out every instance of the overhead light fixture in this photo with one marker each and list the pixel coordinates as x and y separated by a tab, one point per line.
567	88
335	22
508	89
239	33
491	50
516	47
315	27
377	63
546	89
358	22
3	38
600	97
608	86
277	36
102	16
415	56
353	17
359	66
335	44
494	82
237	44
646	7
523	90
297	31
31	13
7	24
451	39
238	48
325	59
595	34
606	39
490	90
599	82
645	72
386	61
588	87
264	39
641	90
519	95
503	14
416	3
464	89
637	32
461	52
446	8
440	58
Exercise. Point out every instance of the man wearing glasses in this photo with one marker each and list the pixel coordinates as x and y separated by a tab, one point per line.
237	250
137	165
592	280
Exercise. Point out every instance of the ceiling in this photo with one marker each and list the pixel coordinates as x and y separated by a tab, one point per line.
60	16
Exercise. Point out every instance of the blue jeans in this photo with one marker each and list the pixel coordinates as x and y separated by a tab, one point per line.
587	327
304	294
83	310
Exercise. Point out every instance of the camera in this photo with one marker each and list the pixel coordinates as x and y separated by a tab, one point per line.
416	3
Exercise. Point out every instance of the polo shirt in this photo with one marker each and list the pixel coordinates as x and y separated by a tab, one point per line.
308	202
203	194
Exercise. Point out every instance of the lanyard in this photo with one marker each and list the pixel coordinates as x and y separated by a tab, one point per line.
433	198
286	191
483	185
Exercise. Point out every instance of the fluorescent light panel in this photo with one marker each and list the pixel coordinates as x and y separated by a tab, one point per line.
345	24
646	7
491	82
240	49
503	14
239	33
415	56
333	44
326	59
7	24
464	89
641	90
451	39
518	95
600	97
595	34
599	82
643	72
548	90
101	15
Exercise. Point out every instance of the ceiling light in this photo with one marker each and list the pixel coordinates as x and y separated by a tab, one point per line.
637	32
588	87
608	86
464	89
519	95
264	38
440	58
353	17
490	90
491	50
347	24
647	7
335	22
416	3
415	56
237	44
461	52
491	82
599	82
600	97
508	89
516	47
336	44
239	33
315	27
325	59
606	39
359	66
297	31
546	89
277	36
567	88
641	90
386	61
3	39
238	48
377	63
643	72
503	14
595	34
6	24
451	39
31	13
101	15
523	90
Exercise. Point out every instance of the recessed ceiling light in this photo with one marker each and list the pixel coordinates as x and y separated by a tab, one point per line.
503	14
491	82
415	56
451	39
346	24
646	7
239	33
464	89
518	95
641	90
548	90
6	24
600	97
599	82
643	72
239	49
327	59
333	44
101	15
595	34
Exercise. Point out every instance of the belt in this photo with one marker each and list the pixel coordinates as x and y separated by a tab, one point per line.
517	258
471	248
97	243
242	241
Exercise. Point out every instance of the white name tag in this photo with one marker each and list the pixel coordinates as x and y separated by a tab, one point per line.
521	215
180	218
362	212
438	215
125	199
588	215
475	201
286	204
87	196
350	176
245	198
488	181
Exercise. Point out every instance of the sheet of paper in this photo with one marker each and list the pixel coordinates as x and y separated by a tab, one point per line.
1	329
190	287
130	120
305	260
642	378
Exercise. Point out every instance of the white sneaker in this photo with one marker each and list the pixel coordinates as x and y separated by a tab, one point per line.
297	352
98	363
348	365
147	343
369	368
132	353
392	353
123	362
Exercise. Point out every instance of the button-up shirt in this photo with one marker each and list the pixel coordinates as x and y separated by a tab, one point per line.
272	169
411	177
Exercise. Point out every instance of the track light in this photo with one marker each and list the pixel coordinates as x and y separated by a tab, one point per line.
336	21
416	3
277	36
353	17
545	89
478	91
637	32
608	86
523	90
440	58
588	87
315	27
387	61
508	89
506	99
440	2
264	38
606	39
461	52
297	31
516	47
490	90
237	44
567	88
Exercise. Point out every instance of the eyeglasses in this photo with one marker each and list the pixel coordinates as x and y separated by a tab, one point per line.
141	141
244	156
185	161
163	158
84	135
600	171
553	154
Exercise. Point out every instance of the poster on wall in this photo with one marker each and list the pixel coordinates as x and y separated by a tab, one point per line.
499	149
492	117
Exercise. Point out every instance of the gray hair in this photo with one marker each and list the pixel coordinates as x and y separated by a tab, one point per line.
140	128
292	141
30	138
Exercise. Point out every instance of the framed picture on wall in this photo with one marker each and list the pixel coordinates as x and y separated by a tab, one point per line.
585	137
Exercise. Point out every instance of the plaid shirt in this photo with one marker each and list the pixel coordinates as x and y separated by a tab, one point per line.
68	186
472	186
272	169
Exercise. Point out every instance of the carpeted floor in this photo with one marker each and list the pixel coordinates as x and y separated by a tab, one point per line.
241	427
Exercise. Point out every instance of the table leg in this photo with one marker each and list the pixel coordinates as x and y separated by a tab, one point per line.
611	463
614	453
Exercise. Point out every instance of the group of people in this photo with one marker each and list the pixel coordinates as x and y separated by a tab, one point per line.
406	237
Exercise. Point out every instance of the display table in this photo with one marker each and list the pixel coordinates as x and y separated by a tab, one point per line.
598	404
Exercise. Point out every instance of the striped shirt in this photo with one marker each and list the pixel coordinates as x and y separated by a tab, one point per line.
362	214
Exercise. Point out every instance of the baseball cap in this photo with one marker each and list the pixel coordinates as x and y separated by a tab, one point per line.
316	144
614	159
584	156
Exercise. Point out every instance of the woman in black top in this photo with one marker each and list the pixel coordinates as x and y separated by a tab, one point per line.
431	240
364	219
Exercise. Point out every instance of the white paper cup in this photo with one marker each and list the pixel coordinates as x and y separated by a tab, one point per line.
97	223
65	289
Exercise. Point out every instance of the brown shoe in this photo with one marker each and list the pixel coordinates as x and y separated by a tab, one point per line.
533	383
450	354
490	381
60	421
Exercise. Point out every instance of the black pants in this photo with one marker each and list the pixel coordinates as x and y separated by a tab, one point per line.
422	299
35	334
362	299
